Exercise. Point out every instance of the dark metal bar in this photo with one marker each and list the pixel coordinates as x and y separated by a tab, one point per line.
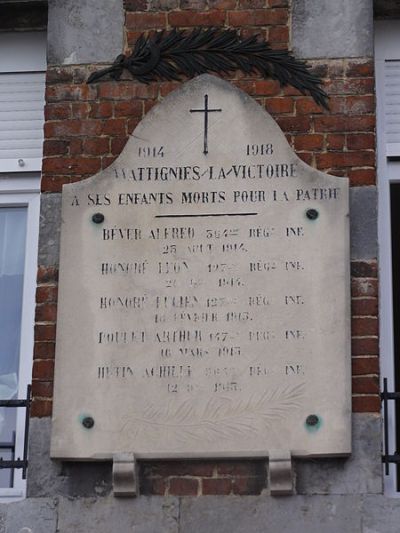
385	426
6	445
19	463
12	403
26	433
391	459
392	395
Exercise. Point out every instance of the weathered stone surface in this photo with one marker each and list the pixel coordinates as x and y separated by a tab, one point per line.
49	235
322	28
298	514
231	311
32	516
363	223
358	474
49	477
380	515
142	515
88	31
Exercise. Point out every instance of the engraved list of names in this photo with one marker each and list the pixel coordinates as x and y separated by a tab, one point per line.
203	306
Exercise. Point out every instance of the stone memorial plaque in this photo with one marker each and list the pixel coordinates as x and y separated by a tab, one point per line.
204	292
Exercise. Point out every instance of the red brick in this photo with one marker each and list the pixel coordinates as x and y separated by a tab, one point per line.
364	307
345	159
335	141
361	141
127	91
310	142
307	157
168	86
267	87
59	93
58	75
117	144
145	21
240	468
42	389
46	293
193	4
96	146
131	38
278	3
44	350
293	124
135	5
279	105
354	86
319	69
366	404
83	165
107	160
153	486
46	312
258	17
365	385
222	4
75	146
47	274
148	104
306	106
53	147
45	332
344	124
41	408
217	486
362	176
80	110
53	183
249	485
251	4
57	111
364	365
364	69
365	326
114	126
364	346
132	108
187	19
364	287
364	269
289	90
43	369
352	105
66	128
183	486
278	34
101	110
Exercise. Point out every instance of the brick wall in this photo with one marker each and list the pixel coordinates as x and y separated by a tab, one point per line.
87	127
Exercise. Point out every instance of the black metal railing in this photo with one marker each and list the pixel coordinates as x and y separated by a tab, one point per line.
17	463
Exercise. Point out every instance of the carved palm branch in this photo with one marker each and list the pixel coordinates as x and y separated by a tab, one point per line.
218	418
168	56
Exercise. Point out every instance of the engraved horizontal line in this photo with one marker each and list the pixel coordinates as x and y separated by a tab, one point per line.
209	215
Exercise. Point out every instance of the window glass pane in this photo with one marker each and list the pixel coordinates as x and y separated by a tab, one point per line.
12	258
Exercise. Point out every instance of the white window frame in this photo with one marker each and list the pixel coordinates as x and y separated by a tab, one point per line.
20	186
18	190
387	46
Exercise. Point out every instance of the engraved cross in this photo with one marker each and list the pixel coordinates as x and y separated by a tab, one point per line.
206	110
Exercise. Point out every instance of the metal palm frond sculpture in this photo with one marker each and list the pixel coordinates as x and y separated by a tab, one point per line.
168	56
